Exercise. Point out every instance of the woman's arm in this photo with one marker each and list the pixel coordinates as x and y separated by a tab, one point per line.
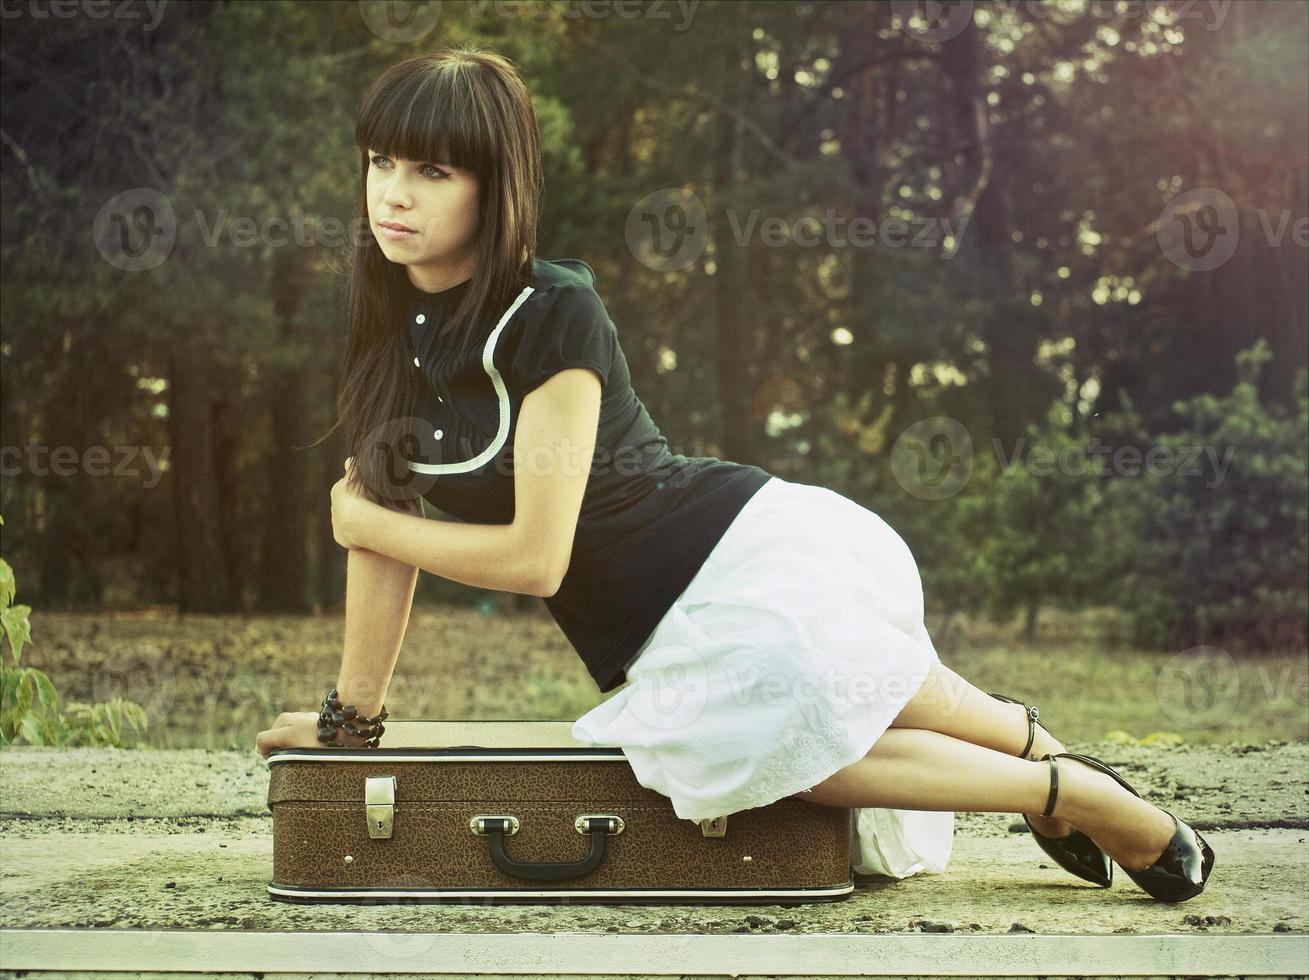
488	556
553	452
379	595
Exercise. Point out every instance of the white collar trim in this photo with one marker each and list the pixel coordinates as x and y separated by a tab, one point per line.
502	394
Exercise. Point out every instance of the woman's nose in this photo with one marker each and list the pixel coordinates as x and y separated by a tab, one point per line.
396	193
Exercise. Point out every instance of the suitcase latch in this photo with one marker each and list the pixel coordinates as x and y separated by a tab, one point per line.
379	805
714	826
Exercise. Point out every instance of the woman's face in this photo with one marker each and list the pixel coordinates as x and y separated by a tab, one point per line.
438	203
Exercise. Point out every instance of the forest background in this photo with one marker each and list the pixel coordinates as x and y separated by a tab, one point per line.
1027	279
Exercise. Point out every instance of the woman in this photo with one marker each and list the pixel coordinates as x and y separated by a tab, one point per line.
770	633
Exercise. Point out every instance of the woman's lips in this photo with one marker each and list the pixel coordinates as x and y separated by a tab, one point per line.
396	232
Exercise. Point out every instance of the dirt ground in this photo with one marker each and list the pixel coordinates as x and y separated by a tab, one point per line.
182	839
174	837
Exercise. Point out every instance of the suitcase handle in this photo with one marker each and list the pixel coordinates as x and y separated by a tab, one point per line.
497	828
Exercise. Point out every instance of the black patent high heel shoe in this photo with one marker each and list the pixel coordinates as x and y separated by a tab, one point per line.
1075	852
1184	866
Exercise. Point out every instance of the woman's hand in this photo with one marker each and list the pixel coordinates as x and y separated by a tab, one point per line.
353	513
349	509
292	730
299	730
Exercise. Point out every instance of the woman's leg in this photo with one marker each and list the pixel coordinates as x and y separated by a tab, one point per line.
916	769
379	593
949	704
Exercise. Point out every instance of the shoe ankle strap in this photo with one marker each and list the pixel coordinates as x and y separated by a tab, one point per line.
1054	788
1032	714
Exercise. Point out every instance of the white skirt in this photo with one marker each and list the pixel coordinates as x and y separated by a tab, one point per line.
782	662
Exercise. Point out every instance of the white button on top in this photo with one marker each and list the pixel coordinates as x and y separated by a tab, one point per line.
438	433
416	364
421	318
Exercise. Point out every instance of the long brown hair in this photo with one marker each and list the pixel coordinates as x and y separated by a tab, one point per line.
470	108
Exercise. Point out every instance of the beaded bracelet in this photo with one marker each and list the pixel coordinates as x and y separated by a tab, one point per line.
334	717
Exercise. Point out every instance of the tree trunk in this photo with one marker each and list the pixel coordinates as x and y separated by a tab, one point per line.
283	564
731	295
329	585
1030	616
202	583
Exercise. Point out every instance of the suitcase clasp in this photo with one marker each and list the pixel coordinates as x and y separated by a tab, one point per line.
714	826
379	806
485	823
612	823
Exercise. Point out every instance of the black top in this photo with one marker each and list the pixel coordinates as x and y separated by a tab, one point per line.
649	517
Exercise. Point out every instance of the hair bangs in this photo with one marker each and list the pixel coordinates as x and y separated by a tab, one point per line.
429	116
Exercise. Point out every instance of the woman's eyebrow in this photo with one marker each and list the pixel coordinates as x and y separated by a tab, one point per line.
435	160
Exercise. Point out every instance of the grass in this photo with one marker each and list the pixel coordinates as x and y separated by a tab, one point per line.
1090	684
213	682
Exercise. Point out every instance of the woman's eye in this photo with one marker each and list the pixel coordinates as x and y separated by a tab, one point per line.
380	160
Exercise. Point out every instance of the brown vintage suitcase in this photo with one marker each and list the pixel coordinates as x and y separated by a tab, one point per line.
520	812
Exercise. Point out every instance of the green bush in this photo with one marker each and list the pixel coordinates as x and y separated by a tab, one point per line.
29	704
1221	557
